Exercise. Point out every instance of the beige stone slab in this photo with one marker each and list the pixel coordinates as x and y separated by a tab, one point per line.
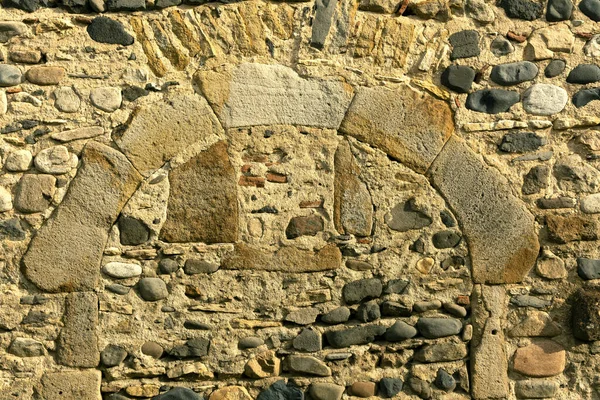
78	341
71	385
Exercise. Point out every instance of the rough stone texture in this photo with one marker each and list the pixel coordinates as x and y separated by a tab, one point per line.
585	318
409	126
541	358
77	344
284	98
498	228
103	184
160	131
203	199
34	193
71	385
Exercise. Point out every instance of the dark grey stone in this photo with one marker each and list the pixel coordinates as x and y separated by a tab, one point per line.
358	335
585	96
445	239
584	73
250	342
389	387
591	8
536	179
445	381
559	10
458	78
555	203
196	325
405	216
112	355
418	246
192	348
529	301
362	289
308	340
420	387
280	391
324	10
501	46
555	68
132	93
465	44
167	266
396	286
106	30
447	218
76	6
336	316
26	5
522	9
521	142
492	101
433	328
152	289
513	73
452	262
132	231
117	288
12	229
395	309
166	3
195	266
400	331
125	5
368	312
588	269
178	393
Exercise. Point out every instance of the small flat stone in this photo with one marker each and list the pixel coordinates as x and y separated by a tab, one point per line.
514	73
24	347
25	56
544	99
542	358
152	349
263	365
117	288
326	391
106	30
556	203
34	193
77	134
465	44
45	76
433	328
368	312
113	355
354	336
559	10
307	340
55	160
555	67
536	389
10	75
529	301
501	46
303	316
121	270
363	389
492	101
521	142
307	365
522	9
400	331
405	216
396	286
280	391
591	8
336	316
458	78
445	239
395	309
585	318
167	266
177	393
536	180
424	306
152	289
389	387
304	226
250	342
455	309
585	96
584	73
441	352
106	98
591	204
66	100
195	266
18	161
363	289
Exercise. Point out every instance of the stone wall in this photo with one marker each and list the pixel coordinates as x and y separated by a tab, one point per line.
286	200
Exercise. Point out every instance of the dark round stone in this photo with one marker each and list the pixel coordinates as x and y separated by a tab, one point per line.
445	239
555	68
195	266
447	218
167	266
588	269
522	9
559	10
389	387
133	232
400	331
26	5
280	391
584	73
106	30
591	8
584	96
368	312
492	101
445	381
514	73
178	393
458	78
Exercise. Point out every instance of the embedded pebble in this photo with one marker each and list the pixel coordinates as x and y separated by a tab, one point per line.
513	73
303	316
455	309
55	160
117	288
400	331
544	99
325	391
9	75
458	78
555	68
433	328
588	269
106	30
357	291
113	355
195	266
501	46
106	98
66	100
424	306
585	96
152	289
445	239
541	358
363	389
307	340
45	76
529	301
536	389
522	9
559	10
18	161
591	204
591	8
389	387
368	312
521	142
465	44
250	342
584	73
10	29
152	349
492	101
336	316
550	266
168	265
444	381
121	270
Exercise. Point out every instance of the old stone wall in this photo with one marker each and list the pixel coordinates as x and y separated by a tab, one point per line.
279	200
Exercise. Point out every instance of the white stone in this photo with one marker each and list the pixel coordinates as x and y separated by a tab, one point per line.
122	270
592	47
55	160
18	161
3	102
591	204
77	134
545	99
66	100
5	200
106	98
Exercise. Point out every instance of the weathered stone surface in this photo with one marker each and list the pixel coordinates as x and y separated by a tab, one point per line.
336	316
536	389
107	99
280	391
400	331
284	97
308	340
71	385
536	179
363	389
152	349
55	160
10	29
458	78
537	323
303	316
106	30
352	205
406	216
112	355
289	259
24	347
203	199
522	9
584	96
160	131
441	352
263	365
103	184
10	75
389	387
571	228
358	335
18	160
465	44
499	230
230	393
45	75
501	46
544	99
195	266
192	348
585	317
132	231
304	226
66	100
557	66
550	266
307	365
409	126
433	328
324	11
520	142
363	289
542	358
153	289
78	341
326	391
34	193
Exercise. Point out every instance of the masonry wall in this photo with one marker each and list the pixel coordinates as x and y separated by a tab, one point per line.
288	200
